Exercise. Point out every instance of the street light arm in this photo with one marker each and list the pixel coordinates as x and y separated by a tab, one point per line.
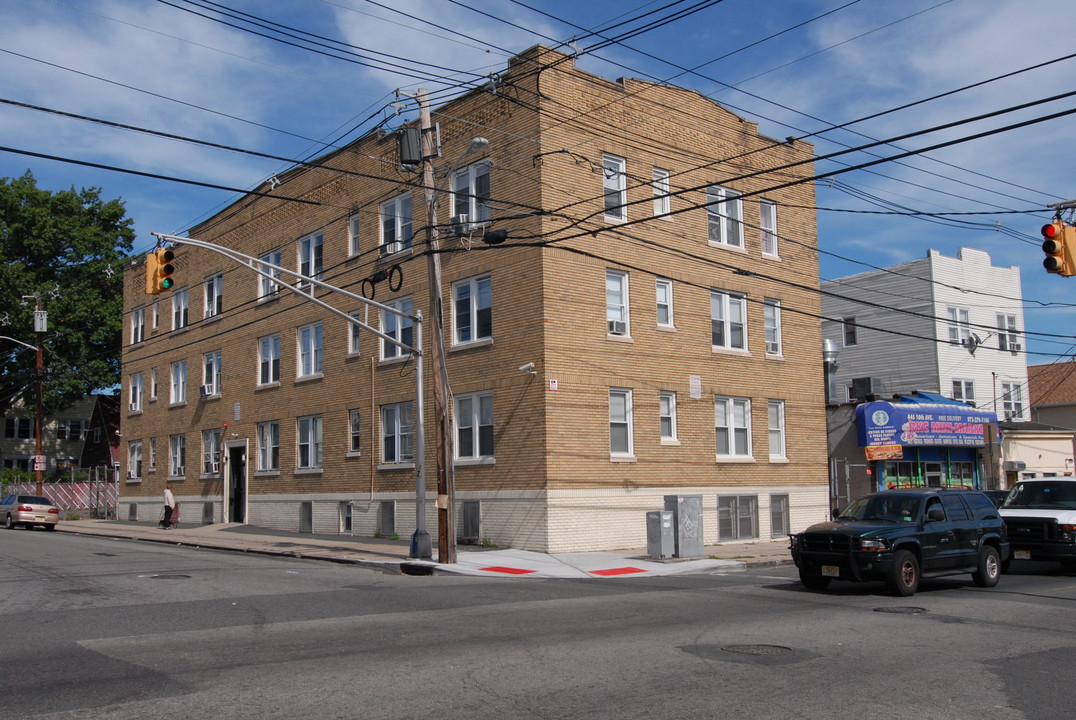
20	342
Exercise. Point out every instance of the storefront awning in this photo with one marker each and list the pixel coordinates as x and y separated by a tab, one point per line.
925	419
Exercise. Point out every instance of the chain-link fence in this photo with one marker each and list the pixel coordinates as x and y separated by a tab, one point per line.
86	492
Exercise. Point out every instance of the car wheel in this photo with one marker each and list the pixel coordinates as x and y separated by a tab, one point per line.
812	581
988	571
904	573
9	523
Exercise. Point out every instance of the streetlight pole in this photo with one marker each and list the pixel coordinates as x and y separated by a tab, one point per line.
40	326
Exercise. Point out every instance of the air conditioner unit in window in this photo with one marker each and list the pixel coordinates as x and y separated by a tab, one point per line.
131	475
181	470
1015	347
214	467
618	327
206	390
135	407
461	225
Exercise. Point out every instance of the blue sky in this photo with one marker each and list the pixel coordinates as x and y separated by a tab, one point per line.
159	65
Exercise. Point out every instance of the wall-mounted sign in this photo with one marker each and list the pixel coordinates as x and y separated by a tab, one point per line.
885	423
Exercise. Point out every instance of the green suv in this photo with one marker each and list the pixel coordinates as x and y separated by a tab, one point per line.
900	535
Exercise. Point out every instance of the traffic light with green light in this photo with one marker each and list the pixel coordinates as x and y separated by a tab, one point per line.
159	269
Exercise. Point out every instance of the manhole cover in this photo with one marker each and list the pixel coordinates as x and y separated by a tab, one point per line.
901	610
170	577
757	649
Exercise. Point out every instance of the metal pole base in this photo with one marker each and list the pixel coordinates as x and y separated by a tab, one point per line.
421	547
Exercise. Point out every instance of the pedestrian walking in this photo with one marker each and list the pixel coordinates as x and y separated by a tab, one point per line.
169	506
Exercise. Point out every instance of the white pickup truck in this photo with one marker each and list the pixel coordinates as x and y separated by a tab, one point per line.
1040	516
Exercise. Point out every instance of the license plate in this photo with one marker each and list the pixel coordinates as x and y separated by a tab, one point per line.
831	571
1022	555
39	517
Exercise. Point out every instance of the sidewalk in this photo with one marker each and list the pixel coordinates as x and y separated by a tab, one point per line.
391	555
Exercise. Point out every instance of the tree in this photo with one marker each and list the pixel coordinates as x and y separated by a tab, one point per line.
68	247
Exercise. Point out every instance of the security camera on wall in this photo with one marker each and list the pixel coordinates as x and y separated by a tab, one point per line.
528	368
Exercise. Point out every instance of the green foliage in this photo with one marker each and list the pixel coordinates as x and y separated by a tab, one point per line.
70	248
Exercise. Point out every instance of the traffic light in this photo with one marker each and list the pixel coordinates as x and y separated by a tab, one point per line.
1058	243
159	269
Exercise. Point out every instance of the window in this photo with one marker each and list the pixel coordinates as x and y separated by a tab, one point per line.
310	258
776	420
353	235
396	225
138	325
269	360
309	442
134	459
779	516
355	445
1012	401
667	413
268	446
665	302
211	372
728	313
474	426
472	302
724	217
616	302
179	309
211	452
268	286
136	392
614	181
470	192
152	453
214	296
398	327
661	192
177	455
353	337
768	224
398	433
19	428
178	392
737	517
964	390
153	384
309	360
1008	337
733	424
771	310
848	332
72	430
620	430
155	315
959	325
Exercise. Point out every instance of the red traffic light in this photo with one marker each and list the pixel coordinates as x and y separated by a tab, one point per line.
1051	230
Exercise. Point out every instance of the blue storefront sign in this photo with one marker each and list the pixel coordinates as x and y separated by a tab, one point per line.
921	424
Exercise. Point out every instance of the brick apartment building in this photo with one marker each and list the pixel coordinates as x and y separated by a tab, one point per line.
643	331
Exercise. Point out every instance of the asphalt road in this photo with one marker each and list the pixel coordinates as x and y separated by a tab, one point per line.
100	628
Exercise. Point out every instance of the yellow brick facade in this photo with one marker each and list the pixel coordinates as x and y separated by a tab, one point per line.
552	483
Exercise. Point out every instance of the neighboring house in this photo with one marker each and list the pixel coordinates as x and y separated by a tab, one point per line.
1053	393
643	331
1033	449
84	435
952	326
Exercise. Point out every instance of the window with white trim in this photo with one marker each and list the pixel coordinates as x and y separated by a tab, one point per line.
269	286
355	437
614	183
661	192
178	384
728	320
775	413
353	235
471	192
1012	401
134	459
779	517
667	415
136	392
398	433
268	446
396	225
152	454
138	325
771	311
212	363
309	356
353	336
620	423
964	390
20	428
473	417
732	422
311	256
737	517
155	315
1008	337
153	384
724	217
180	303
399	327
959	325
616	302
309	444
177	455
211	452
472	310
214	296
768	226
269	360
665	302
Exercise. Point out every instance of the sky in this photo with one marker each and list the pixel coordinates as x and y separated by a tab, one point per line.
796	67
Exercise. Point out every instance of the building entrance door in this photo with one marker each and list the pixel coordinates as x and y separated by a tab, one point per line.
934	474
237	484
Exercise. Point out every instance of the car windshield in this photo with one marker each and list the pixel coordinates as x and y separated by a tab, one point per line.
891	508
1042	494
34	500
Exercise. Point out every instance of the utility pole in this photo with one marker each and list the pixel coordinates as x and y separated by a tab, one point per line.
40	327
446	547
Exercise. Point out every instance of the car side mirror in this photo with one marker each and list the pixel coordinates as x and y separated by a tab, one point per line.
835	513
935	514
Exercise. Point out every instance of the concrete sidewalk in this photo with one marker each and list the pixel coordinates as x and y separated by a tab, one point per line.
392	555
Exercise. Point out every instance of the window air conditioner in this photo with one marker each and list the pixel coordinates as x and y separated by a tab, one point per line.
461	225
206	390
1015	347
215	467
618	327
131	475
134	407
181	470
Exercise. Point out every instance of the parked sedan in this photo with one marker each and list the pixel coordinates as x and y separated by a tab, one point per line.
28	510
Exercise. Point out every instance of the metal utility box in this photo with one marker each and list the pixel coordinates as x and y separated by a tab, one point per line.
660	534
687	511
